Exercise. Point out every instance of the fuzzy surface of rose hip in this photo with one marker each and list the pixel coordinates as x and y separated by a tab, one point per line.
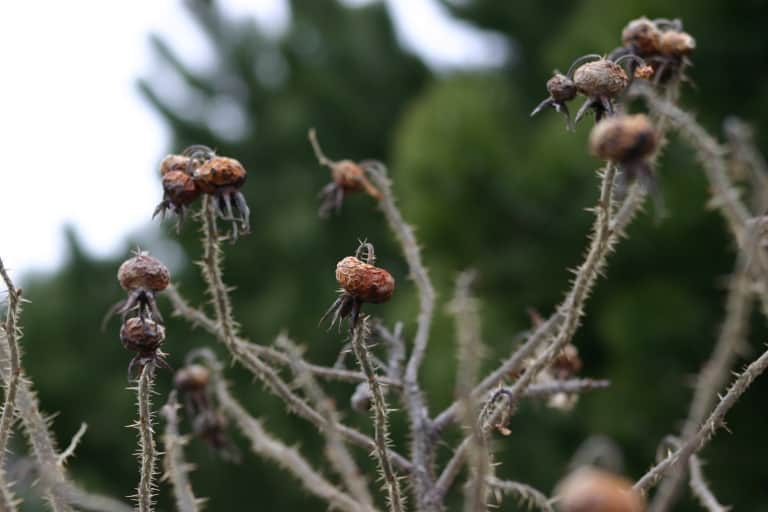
364	281
143	272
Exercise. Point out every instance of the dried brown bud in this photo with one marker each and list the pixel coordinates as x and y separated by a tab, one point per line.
644	72
362	398
194	377
142	335
143	272
351	177
567	363
600	78
174	163
561	88
623	138
364	281
642	36
219	171
677	43
593	490
179	188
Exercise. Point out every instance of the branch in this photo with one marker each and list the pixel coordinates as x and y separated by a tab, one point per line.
714	374
198	318
146	453
700	488
711	155
264	445
73	443
12	336
526	494
465	310
380	412
336	451
616	228
59	490
707	429
176	469
421	432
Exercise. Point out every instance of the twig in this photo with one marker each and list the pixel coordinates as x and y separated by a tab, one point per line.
714	374
243	353
336	450
395	499
70	451
176	469
146	453
264	445
711	155
321	158
700	488
60	492
707	429
199	318
421	432
525	493
745	152
464	308
616	228
12	335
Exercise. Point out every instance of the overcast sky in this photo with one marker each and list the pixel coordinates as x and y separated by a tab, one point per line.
81	147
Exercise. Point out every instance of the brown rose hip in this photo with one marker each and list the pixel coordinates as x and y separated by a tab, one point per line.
144	336
642	37
175	163
623	139
561	90
677	44
142	276
360	282
593	490
194	377
222	177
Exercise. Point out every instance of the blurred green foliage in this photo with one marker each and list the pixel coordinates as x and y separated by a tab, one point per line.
486	187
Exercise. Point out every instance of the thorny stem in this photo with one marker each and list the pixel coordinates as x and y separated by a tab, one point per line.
464	308
724	196
225	332
60	492
421	444
70	450
176	469
147	453
380	422
198	317
700	488
500	411
264	445
616	228
12	335
526	494
336	451
707	429
714	374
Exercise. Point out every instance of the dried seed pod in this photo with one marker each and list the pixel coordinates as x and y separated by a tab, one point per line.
644	72
567	363
179	189
623	139
219	172
142	335
593	490
194	377
364	281
642	37
143	272
677	44
561	88
174	163
600	78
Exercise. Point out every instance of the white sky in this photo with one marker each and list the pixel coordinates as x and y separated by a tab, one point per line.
79	144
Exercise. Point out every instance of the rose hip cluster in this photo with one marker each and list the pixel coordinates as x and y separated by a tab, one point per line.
198	170
193	382
142	331
657	49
